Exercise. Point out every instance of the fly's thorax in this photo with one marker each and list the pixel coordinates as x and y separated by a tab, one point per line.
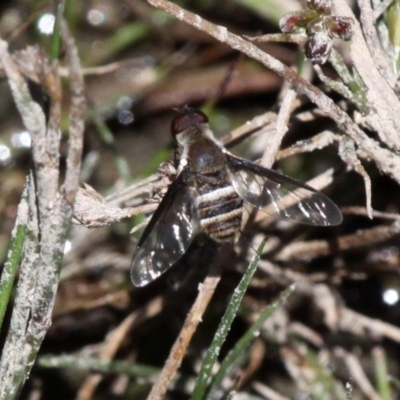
204	156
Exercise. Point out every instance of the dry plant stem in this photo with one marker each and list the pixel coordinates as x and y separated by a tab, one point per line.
324	300
112	344
348	154
44	248
257	123
386	124
311	115
298	367
13	361
179	349
93	211
371	64
305	333
318	248
358	374
317	142
144	186
108	68
279	37
221	89
267	392
274	142
256	356
109	349
371	38
347	320
364	212
381	8
76	117
281	128
112	299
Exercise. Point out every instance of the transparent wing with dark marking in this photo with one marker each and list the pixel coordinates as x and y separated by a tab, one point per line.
281	195
168	234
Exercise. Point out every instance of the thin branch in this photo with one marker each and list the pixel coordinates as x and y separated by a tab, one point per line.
358	374
281	128
267	392
346	320
76	118
348	154
110	347
50	213
319	248
382	100
260	122
317	142
368	26
179	349
113	343
387	161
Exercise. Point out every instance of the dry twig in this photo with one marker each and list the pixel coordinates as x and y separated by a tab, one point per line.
50	208
387	161
179	349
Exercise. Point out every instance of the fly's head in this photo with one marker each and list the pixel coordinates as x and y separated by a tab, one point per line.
189	125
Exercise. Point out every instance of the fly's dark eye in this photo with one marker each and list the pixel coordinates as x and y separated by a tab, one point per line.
187	118
199	117
180	123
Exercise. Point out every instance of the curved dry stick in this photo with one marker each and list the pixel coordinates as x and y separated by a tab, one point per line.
178	351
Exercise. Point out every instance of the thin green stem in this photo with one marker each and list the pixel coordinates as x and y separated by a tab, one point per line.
245	341
10	268
382	374
56	39
224	326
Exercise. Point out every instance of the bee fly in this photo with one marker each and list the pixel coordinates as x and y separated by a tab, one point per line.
207	196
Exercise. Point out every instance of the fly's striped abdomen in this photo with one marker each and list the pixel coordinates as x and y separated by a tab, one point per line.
220	212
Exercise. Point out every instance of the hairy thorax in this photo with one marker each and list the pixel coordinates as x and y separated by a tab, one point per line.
205	157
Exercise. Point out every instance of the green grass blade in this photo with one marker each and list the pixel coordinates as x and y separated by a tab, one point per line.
56	39
235	354
10	269
224	326
382	374
14	257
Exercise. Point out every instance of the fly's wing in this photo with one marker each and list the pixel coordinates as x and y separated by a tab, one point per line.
285	197
168	234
